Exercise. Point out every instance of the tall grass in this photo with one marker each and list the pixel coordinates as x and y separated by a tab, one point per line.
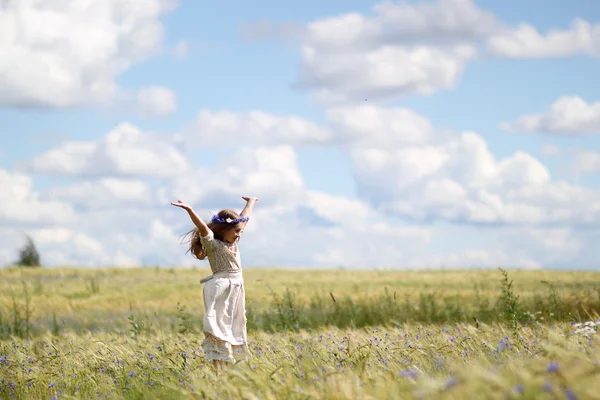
413	361
285	308
132	334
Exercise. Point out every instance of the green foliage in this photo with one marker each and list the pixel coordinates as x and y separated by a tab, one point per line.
17	323
186	324
28	254
509	302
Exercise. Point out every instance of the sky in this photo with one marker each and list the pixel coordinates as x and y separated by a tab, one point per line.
376	135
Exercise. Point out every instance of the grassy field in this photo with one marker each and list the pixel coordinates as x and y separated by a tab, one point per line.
136	333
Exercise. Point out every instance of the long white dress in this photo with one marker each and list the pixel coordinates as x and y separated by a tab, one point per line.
224	303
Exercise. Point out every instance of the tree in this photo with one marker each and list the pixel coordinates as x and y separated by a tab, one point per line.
28	255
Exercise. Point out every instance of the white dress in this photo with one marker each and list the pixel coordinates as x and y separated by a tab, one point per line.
224	303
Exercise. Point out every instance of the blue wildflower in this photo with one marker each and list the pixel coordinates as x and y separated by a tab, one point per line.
519	388
450	382
552	367
410	373
547	387
571	395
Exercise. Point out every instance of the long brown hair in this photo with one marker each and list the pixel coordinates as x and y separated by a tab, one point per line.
218	229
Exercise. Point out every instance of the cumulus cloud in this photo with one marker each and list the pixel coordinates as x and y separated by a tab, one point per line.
456	178
219	128
21	203
124	151
59	53
270	173
104	193
525	41
156	101
401	49
567	116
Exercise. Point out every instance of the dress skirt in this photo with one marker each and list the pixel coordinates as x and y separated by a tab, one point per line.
225	318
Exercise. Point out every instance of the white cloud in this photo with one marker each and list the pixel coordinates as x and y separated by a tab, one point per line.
337	231
585	161
440	21
338	209
371	126
62	53
381	73
124	151
219	128
156	101
568	116
269	173
21	204
104	192
525	41
455	178
402	49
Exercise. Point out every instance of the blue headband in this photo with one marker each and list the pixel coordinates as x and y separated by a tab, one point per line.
231	221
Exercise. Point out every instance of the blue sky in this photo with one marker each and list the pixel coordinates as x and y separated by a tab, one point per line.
437	200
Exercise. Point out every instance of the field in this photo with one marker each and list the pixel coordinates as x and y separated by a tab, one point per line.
136	333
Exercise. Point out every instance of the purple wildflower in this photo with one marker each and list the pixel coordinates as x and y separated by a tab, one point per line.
547	387
410	373
552	367
519	388
450	382
571	395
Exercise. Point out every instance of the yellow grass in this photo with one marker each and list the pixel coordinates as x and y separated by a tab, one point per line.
93	350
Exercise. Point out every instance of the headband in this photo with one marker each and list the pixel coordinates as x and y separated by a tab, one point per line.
231	221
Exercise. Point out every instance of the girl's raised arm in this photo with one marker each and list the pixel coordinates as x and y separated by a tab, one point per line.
247	211
201	225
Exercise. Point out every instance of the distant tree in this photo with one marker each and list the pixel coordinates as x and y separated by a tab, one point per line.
28	255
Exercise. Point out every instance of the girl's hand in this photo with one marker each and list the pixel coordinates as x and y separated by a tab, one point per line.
250	198
181	204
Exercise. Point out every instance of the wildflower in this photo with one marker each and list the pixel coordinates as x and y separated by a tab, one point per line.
571	395
519	388
552	367
450	382
409	373
502	345
51	385
547	387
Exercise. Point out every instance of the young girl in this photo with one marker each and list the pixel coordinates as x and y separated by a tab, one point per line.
223	292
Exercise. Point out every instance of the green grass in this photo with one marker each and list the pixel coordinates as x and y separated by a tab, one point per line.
136	333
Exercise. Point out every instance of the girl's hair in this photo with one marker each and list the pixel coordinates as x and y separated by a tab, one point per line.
217	227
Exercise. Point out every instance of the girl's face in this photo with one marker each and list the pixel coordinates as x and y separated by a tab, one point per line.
233	235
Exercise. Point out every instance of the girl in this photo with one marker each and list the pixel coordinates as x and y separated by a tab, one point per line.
223	292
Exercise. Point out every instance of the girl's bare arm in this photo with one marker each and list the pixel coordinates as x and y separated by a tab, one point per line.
200	224
247	211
